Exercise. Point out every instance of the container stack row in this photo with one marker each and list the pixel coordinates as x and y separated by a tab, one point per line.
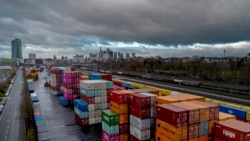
71	86
56	79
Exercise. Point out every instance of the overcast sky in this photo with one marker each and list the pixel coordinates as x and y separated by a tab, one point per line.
147	27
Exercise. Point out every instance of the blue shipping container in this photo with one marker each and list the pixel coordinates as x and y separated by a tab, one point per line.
239	113
38	117
81	105
63	101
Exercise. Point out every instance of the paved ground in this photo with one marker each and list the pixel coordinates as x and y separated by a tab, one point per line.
59	121
10	118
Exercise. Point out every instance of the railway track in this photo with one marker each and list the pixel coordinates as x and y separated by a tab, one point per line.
244	100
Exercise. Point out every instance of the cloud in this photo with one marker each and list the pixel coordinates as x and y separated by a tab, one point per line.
148	27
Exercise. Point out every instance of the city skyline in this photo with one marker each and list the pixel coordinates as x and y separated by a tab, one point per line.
149	28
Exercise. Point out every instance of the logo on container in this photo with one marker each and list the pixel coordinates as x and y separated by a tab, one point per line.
230	111
229	133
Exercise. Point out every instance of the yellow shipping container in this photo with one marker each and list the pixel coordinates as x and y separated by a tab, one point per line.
163	92
203	138
225	116
194	139
233	105
119	109
170	131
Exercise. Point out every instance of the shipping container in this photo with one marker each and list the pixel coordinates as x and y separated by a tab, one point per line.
203	128
123	128
211	126
140	123
107	137
140	134
172	114
204	110
161	137
110	129
119	108
193	112
232	130
170	131
239	113
152	98
123	118
124	137
139	112
213	109
225	116
140	100
192	131
110	117
119	97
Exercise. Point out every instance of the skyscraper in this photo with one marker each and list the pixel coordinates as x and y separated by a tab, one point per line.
16	49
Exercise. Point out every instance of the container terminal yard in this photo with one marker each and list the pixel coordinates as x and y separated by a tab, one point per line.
77	106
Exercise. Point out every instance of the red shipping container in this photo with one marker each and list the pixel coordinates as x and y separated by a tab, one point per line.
123	128
106	77
140	100
89	100
232	130
132	138
81	121
119	97
218	139
193	112
213	108
192	130
173	115
139	112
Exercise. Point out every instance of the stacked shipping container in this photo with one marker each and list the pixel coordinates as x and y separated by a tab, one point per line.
71	85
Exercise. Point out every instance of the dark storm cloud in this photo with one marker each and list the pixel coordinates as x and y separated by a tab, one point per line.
90	23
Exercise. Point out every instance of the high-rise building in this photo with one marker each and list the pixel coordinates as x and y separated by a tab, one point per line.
133	55
32	56
127	56
115	55
16	49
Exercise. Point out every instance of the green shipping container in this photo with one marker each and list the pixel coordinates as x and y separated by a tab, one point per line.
111	130
109	117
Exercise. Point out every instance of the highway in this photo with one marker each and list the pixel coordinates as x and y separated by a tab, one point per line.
192	91
10	118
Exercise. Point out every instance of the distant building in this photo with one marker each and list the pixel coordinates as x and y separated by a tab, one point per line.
127	56
64	58
133	55
16	49
78	58
120	55
108	54
115	55
32	56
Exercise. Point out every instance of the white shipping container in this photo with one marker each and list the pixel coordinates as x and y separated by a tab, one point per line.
104	99
104	106
140	123
98	119
91	121
91	107
97	99
98	113
91	114
103	92
140	134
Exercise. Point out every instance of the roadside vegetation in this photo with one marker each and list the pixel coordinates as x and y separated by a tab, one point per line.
27	113
5	84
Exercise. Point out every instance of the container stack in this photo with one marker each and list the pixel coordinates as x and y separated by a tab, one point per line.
71	85
193	119
140	123
110	126
171	123
94	93
119	105
152	113
81	112
56	79
231	130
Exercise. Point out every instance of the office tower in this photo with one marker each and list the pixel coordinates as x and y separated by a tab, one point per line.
16	49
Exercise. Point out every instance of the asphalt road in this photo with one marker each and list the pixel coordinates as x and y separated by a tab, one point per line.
10	118
198	92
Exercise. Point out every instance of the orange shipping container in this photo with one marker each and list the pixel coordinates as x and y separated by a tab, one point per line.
213	109
170	131
225	116
211	126
204	110
119	109
124	137
123	118
203	138
165	100
160	137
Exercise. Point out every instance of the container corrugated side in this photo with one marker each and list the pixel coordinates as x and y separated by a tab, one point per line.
225	116
239	113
